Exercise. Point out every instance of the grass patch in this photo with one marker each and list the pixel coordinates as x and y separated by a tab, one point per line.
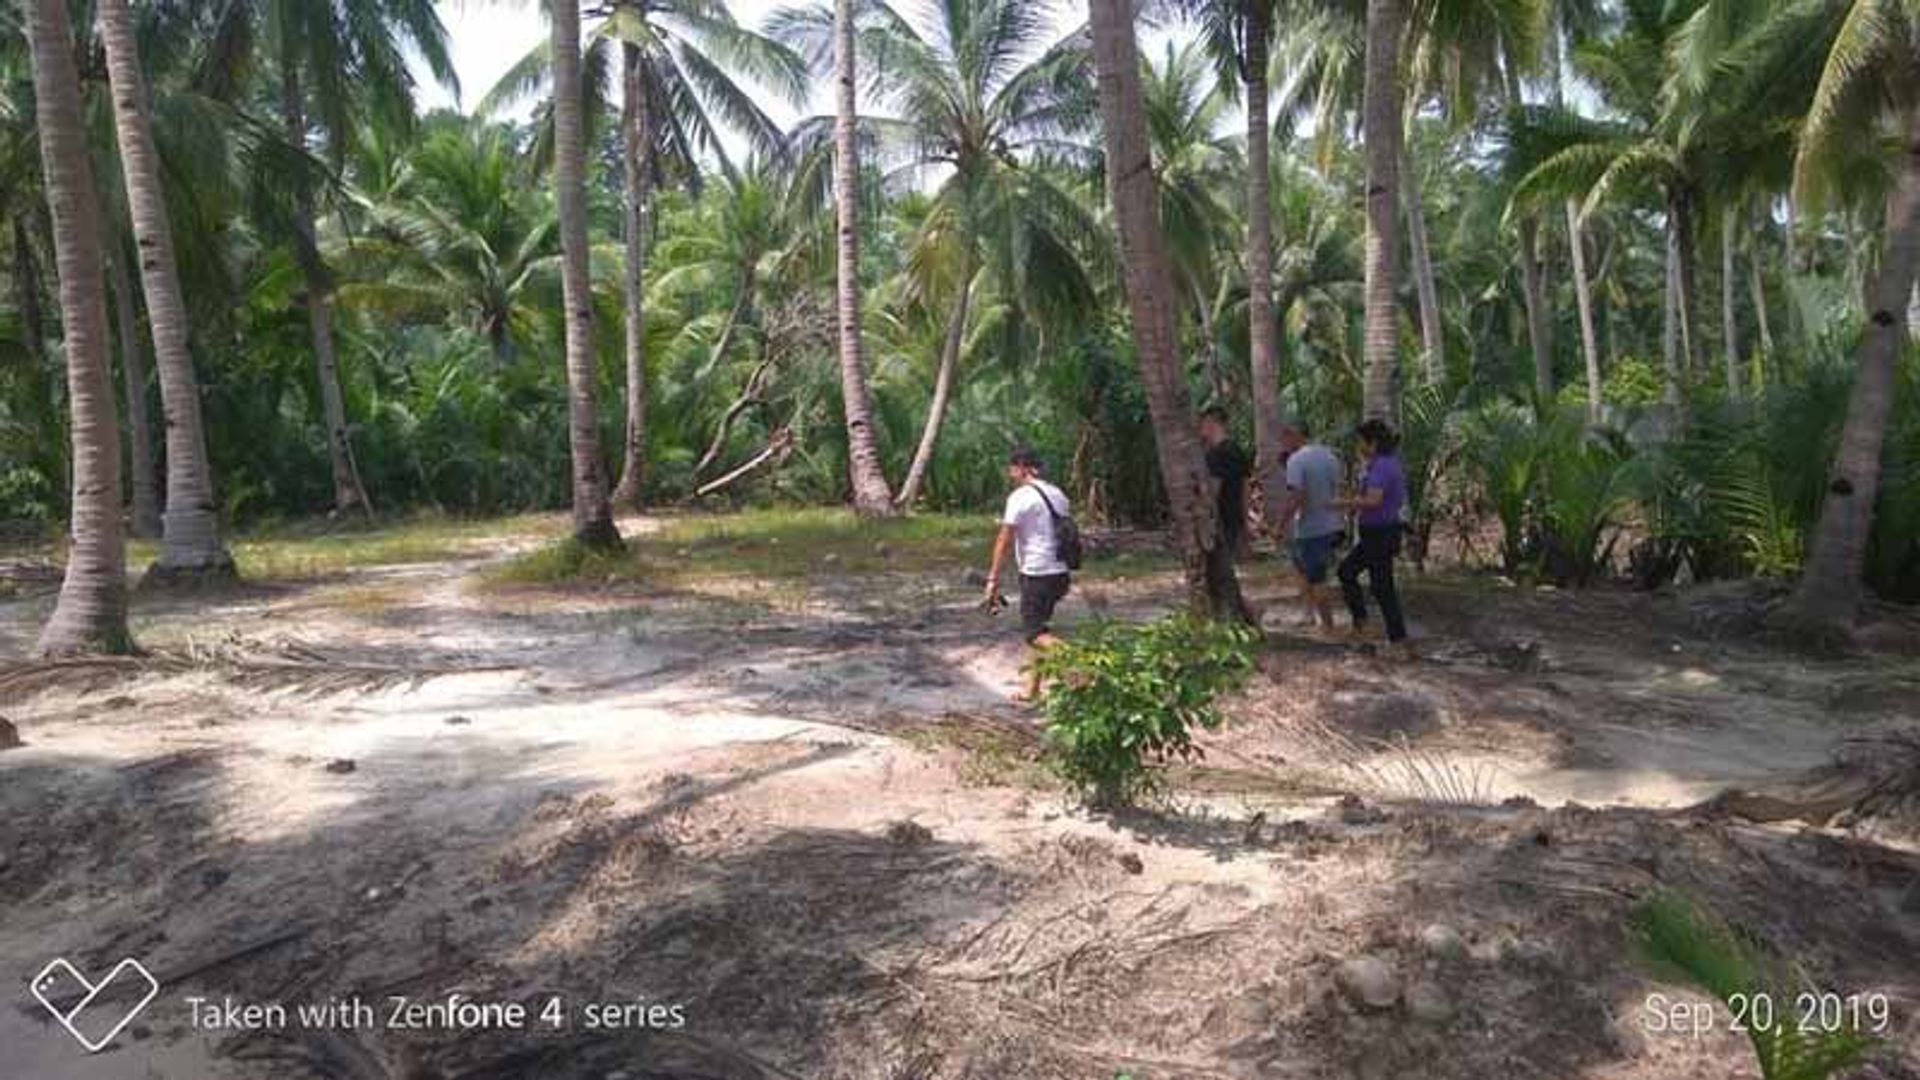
563	561
788	545
794	543
297	553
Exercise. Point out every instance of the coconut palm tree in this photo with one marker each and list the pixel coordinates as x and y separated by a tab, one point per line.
746	231
1239	35
1197	168
677	65
980	95
1212	588
91	614
1381	112
1653	143
636	136
143	481
1868	96
451	231
337	63
190	538
871	496
592	511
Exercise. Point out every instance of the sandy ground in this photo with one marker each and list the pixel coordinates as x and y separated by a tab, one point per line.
744	831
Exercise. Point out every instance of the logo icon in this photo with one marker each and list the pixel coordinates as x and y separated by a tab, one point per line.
87	1016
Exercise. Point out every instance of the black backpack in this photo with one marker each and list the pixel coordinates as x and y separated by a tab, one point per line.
1066	535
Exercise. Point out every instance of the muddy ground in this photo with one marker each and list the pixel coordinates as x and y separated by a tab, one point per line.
790	828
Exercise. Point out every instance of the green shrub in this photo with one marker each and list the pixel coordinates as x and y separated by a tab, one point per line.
1631	382
1126	696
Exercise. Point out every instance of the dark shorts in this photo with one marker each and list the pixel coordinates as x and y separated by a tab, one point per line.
1312	556
1038	597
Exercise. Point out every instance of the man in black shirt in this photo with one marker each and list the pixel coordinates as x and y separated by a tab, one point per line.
1229	465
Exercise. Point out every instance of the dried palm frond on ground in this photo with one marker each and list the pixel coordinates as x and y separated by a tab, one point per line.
249	664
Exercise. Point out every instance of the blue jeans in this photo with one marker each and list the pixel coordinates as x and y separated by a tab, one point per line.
1312	555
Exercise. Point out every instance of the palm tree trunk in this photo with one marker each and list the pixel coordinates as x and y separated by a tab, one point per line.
348	492
1681	209
1756	286
942	387
1583	297
1216	372
871	497
1729	318
1212	588
190	544
1831	588
1674	391
91	614
1533	286
592	512
1262	326
39	390
143	484
1381	121
1433	335
636	138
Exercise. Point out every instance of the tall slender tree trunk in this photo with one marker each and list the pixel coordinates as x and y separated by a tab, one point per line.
190	545
1674	392
592	511
1380	109
1790	235
143	485
348	492
41	366
1212	587
636	141
1216	371
1688	292
1533	285
91	614
1757	287
942	387
1433	335
1263	327
1831	588
1583	298
1729	317
1913	313
871	497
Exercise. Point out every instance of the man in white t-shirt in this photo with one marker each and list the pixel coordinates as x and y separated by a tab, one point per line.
1026	530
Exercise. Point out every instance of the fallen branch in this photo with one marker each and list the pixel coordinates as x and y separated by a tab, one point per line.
749	395
776	450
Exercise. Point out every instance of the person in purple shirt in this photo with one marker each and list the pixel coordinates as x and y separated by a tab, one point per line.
1382	498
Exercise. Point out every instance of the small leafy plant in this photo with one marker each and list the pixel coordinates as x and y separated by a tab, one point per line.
1124	697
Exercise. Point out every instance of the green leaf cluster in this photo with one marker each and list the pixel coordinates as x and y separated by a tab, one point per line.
1126	697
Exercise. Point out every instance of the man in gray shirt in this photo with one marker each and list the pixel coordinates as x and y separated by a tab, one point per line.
1309	520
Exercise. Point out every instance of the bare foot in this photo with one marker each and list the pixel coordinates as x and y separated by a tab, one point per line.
1024	698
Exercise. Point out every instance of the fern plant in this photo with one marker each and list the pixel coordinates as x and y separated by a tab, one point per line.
1686	942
